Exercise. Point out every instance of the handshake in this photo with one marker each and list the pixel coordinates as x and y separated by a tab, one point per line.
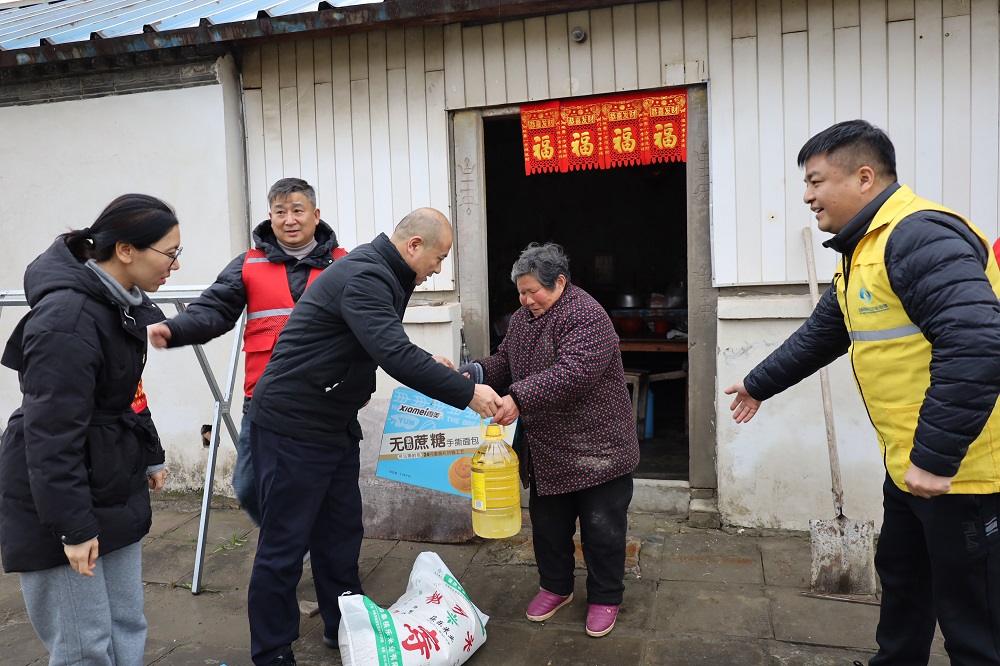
485	400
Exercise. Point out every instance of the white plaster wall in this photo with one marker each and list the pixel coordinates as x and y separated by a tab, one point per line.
774	471
63	162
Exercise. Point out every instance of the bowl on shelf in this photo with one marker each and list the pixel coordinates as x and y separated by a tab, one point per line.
661	327
630	325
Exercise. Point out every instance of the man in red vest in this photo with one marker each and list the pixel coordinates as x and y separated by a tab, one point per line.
290	250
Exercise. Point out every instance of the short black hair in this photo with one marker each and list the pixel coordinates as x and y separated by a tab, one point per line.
851	145
286	187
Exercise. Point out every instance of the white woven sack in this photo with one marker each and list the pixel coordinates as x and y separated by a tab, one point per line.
434	623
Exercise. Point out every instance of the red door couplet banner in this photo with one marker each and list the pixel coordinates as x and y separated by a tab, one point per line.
605	132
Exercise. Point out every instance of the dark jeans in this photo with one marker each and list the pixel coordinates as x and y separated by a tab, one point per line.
244	484
603	514
938	559
309	500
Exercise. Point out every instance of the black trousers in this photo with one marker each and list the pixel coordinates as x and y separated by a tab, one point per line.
309	500
603	514
938	559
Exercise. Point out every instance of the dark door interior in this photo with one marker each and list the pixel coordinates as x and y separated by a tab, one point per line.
625	231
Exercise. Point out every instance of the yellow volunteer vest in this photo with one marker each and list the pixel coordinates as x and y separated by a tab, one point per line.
891	357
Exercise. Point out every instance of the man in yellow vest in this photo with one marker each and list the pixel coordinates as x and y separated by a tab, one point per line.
914	304
290	249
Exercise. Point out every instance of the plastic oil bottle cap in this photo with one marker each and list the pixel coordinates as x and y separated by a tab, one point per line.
493	431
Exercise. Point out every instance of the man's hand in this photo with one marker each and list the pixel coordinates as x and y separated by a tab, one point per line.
159	335
82	556
744	405
485	401
157	480
444	361
924	484
507	413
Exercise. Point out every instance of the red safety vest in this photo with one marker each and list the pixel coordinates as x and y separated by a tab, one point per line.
269	302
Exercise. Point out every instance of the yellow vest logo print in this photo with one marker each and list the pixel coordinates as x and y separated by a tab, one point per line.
866	297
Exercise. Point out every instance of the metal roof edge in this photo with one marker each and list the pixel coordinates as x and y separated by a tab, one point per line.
368	17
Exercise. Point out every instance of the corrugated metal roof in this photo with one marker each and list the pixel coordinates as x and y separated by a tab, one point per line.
67	21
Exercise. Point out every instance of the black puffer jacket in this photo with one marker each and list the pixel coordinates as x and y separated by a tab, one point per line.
936	267
346	325
73	458
219	307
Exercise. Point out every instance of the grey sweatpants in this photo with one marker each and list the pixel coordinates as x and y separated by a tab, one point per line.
96	620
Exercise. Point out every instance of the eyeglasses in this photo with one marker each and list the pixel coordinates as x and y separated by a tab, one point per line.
173	257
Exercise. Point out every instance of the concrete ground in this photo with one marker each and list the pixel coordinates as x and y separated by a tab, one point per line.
692	596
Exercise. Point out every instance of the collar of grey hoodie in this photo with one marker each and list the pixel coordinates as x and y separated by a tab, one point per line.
124	298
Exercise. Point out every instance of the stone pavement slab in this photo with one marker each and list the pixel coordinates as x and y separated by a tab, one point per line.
786	561
695	650
387	582
174	614
225	570
195	655
788	654
638	606
456	555
504	592
167	562
168	520
557	646
222	525
712	608
506	643
710	556
811	621
19	643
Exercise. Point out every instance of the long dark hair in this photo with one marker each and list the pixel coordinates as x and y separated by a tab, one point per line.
138	219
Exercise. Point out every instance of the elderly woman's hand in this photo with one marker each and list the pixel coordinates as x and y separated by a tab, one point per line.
507	413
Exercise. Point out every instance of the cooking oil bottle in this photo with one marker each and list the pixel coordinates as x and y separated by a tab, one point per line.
496	492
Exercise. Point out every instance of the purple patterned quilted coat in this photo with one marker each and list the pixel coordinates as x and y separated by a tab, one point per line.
564	371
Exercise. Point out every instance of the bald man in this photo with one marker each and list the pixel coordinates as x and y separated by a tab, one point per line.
304	431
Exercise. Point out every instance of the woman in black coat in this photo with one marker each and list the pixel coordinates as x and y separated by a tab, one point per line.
77	461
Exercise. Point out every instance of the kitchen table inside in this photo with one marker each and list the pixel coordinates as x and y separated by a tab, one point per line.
650	343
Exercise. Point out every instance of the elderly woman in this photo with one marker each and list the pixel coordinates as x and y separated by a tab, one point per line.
560	371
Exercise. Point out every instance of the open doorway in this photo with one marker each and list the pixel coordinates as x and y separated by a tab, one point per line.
625	231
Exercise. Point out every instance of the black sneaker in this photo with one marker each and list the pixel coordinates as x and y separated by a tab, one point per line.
331	642
284	660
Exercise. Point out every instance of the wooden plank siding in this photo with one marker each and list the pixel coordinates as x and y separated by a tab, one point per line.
366	116
985	82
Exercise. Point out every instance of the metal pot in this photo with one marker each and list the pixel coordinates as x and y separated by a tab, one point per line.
628	301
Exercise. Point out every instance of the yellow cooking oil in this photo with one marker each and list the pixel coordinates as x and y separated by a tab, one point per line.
496	488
